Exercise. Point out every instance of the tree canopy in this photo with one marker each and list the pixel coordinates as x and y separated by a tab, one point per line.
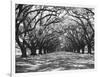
48	27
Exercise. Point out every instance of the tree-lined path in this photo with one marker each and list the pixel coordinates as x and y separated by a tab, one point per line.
57	61
51	38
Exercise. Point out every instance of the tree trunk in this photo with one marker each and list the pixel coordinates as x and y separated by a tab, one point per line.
89	49
78	50
33	51
83	50
40	50
23	52
73	50
45	51
23	49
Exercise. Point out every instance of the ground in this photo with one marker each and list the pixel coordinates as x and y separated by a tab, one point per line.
55	61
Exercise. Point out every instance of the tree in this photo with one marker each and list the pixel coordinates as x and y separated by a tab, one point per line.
28	18
20	10
84	17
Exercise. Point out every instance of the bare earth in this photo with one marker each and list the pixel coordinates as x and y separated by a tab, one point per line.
55	61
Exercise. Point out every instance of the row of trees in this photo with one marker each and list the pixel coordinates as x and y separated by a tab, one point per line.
31	22
83	34
39	27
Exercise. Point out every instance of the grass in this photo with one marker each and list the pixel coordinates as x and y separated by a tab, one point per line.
55	61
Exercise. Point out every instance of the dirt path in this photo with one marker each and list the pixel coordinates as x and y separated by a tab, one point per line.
54	62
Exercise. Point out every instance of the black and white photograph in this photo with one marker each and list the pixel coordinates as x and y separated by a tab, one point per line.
53	38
